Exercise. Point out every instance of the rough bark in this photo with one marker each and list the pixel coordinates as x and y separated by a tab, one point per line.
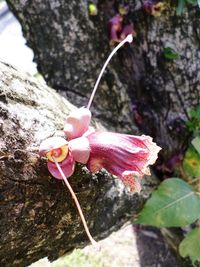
38	218
70	46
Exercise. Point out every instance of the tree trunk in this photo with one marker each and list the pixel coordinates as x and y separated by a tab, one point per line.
70	46
38	217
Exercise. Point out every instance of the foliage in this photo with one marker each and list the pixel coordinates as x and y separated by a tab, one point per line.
181	5
190	245
170	54
194	122
196	143
191	163
174	203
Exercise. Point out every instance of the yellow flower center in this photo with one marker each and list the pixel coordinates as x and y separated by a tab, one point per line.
58	153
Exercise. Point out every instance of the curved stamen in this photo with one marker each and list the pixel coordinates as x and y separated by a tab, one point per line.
129	39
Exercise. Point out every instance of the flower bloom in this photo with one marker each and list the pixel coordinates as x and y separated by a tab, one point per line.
118	30
126	156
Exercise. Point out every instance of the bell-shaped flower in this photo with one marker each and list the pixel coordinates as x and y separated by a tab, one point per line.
126	156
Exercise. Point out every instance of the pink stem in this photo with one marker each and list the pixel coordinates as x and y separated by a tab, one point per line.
94	243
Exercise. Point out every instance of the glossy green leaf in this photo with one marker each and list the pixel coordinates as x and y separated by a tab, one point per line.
190	245
174	203
196	143
191	162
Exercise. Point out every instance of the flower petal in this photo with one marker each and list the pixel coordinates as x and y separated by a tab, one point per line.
77	123
50	144
122	155
131	179
66	165
80	149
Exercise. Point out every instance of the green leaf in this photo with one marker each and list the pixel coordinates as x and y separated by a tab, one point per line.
194	122
196	143
180	7
190	245
169	53
195	112
191	162
174	203
193	2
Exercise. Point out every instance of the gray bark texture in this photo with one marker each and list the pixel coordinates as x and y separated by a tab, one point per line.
38	217
70	47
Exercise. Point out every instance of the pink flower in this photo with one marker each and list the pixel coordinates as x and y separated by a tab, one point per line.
118	30
125	156
57	148
66	153
114	28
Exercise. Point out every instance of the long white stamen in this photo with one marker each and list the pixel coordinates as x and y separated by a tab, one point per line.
128	39
94	243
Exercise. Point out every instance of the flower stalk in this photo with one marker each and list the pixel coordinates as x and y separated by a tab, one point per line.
129	39
93	242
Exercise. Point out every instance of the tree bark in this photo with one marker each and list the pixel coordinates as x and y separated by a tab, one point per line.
70	52
70	47
38	217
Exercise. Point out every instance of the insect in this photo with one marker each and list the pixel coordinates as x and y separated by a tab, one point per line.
126	156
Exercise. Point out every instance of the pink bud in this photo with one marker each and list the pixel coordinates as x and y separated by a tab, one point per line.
77	123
